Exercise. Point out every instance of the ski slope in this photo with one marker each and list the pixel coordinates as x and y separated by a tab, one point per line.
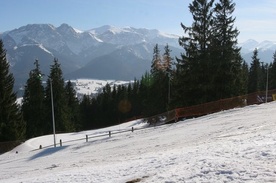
237	145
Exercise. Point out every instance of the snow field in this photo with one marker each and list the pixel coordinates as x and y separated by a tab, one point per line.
237	145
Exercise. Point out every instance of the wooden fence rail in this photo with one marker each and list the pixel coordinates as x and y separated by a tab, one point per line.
87	137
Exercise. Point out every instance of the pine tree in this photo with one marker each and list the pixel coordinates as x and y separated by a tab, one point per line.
134	96
73	105
167	67
33	107
146	94
122	103
12	126
263	75
86	113
244	76
226	59
254	78
194	68
156	61
159	87
55	82
167	60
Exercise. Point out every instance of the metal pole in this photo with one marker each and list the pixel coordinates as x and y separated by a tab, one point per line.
169	93
266	91
53	114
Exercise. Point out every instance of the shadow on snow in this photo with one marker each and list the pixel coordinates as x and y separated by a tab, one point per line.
47	152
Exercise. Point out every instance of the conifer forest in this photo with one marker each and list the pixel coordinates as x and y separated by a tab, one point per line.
210	68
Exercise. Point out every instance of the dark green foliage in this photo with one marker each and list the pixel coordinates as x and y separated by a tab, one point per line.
254	77
12	126
33	107
211	66
145	93
244	76
272	73
167	60
157	84
155	99
225	54
86	113
61	110
194	67
156	61
135	99
73	106
263	75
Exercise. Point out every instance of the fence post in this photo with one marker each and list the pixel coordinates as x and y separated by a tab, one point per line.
109	133
86	138
60	142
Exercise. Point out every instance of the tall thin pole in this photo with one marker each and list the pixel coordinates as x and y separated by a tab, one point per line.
53	114
169	92
266	90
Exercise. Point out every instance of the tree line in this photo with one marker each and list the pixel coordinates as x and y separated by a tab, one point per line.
210	68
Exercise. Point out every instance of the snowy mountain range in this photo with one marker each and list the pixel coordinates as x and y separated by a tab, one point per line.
266	49
105	52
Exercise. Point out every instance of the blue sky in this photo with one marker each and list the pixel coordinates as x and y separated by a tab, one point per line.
255	19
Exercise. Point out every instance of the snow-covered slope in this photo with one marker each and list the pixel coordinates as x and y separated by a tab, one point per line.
93	87
237	145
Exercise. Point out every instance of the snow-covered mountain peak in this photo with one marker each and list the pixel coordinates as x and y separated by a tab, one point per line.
249	44
265	45
38	27
168	35
65	28
100	30
77	30
112	29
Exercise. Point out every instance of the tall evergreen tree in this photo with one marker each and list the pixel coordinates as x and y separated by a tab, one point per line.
86	113
194	68
167	60
245	74
12	126
159	87
134	96
226	59
263	75
156	60
61	111
73	105
146	94
167	67
33	107
254	78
